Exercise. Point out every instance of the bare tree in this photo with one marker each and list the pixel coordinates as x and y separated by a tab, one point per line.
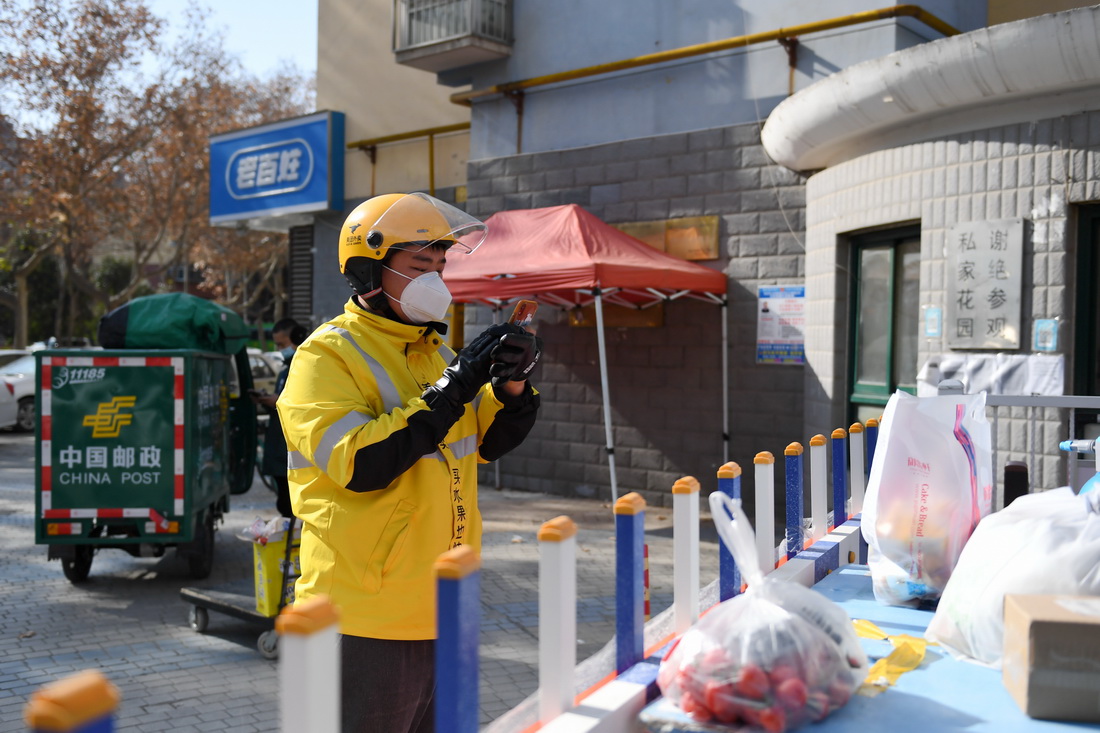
110	158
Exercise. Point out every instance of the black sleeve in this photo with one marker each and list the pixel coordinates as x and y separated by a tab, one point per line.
511	424
377	465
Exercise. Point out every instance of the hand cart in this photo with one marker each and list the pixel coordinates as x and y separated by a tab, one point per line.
258	607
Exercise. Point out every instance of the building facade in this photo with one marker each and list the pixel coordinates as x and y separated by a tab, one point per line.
652	117
955	158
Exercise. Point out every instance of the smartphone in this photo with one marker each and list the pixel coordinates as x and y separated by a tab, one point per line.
524	313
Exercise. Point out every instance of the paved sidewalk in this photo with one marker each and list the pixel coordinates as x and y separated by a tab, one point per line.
129	622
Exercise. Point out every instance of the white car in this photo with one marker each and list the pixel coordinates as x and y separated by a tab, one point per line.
265	370
9	408
19	374
7	355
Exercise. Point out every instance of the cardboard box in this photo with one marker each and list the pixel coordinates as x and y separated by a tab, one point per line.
1052	655
269	562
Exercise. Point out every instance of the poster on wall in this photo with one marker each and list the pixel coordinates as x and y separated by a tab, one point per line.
984	284
781	324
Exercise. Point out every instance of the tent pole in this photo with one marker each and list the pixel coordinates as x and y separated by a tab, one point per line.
606	395
496	463
725	381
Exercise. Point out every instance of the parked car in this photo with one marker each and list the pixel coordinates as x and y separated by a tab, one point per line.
20	375
7	355
9	407
265	369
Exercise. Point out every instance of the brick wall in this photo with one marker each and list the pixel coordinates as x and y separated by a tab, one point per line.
665	383
1035	171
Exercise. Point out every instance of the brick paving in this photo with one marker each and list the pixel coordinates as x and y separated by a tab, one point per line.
129	621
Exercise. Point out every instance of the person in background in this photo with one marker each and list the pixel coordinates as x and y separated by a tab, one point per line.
288	335
386	427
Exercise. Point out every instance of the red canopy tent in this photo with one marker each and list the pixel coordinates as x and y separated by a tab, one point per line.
566	257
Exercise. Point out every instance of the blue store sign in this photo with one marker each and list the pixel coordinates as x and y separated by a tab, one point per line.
293	166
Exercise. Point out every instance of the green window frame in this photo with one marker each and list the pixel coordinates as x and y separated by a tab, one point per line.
885	318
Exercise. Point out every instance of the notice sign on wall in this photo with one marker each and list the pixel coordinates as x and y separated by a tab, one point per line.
781	325
984	283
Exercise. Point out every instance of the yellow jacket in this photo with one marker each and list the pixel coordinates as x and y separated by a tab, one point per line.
382	484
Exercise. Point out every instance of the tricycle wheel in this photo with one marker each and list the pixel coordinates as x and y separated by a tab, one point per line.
202	562
268	644
77	567
266	480
198	619
25	417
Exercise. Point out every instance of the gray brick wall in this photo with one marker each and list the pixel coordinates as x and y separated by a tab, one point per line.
1036	171
665	382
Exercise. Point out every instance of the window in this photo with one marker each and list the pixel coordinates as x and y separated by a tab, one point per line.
1086	332
885	318
1086	371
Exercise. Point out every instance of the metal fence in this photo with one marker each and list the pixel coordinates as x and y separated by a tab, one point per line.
1029	428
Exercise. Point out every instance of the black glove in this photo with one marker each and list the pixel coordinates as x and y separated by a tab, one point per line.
468	372
515	355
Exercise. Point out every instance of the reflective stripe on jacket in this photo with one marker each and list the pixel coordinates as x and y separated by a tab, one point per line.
380	495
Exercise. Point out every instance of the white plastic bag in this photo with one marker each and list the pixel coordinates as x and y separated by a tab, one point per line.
1040	543
931	482
777	656
262	531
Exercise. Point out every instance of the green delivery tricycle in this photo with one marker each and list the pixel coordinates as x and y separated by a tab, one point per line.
140	448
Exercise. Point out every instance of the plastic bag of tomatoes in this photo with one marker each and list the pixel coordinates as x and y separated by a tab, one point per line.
775	657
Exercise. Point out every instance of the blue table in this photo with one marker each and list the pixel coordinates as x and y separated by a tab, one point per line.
943	694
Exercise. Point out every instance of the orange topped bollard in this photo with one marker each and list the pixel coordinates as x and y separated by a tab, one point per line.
764	462
81	703
557	616
857	471
793	505
871	431
629	580
729	577
458	620
819	488
685	553
309	665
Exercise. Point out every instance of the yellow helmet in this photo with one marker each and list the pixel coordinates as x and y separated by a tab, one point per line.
409	221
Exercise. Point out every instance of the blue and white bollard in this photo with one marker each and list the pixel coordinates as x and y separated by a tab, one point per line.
629	581
872	439
729	577
840	477
795	506
458	616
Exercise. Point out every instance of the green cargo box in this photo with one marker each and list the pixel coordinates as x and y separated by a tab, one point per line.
138	450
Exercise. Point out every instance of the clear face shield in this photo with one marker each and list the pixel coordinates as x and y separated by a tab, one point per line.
417	220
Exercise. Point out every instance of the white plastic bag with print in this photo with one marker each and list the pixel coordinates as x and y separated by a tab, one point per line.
931	482
777	656
1041	543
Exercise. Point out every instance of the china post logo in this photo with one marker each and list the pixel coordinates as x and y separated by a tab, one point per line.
270	169
109	418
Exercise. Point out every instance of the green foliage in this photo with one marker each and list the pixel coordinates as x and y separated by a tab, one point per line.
113	274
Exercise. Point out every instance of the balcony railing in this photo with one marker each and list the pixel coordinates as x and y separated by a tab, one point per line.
437	35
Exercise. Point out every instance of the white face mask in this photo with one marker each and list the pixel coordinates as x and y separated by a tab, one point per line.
425	298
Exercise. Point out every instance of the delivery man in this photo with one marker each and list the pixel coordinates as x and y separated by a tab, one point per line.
384	439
